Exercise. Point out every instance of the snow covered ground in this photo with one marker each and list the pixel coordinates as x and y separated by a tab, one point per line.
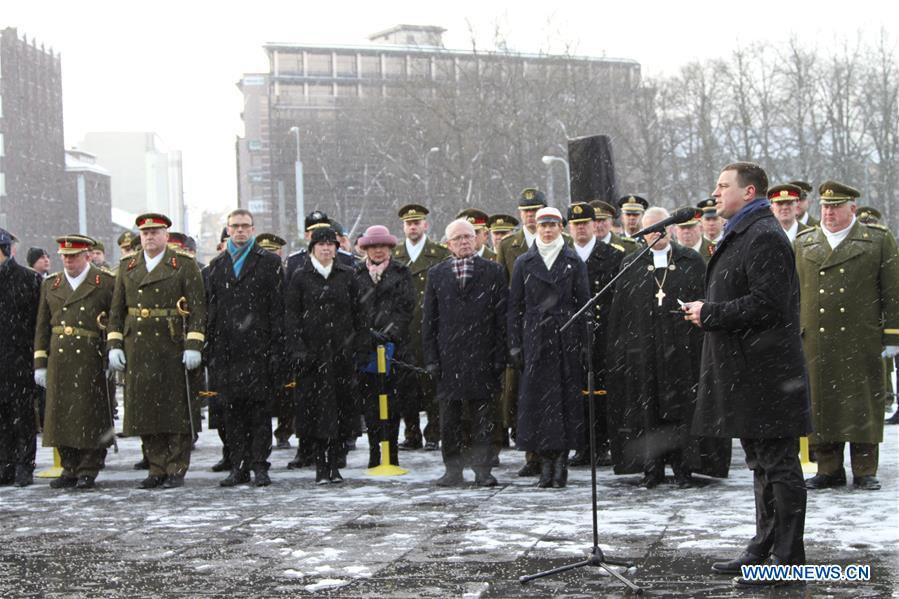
404	537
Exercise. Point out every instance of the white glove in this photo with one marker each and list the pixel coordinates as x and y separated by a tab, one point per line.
117	359
191	359
40	377
890	351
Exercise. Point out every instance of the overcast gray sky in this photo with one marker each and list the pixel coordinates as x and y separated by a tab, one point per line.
171	66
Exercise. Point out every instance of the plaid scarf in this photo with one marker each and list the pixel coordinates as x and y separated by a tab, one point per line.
464	268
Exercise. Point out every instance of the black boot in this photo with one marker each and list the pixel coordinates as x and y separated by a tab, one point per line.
374	451
222	465
322	469
580	458
546	472
452	477
261	477
7	474
24	476
334	451
560	470
483	478
144	464
238	476
531	468
894	419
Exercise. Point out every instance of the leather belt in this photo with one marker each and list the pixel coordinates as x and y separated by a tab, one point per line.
152	312
69	331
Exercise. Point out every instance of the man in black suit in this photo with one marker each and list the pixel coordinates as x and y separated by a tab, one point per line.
753	380
464	344
245	316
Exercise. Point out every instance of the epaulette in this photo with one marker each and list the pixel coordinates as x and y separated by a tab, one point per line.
184	253
58	280
807	231
132	263
107	271
620	248
876	226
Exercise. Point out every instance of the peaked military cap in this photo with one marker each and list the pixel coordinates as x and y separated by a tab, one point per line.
338	228
632	204
412	212
869	215
531	198
6	238
805	186
271	242
225	235
603	210
581	212
124	240
177	240
502	222
98	245
477	218
153	220
69	245
786	192
316	220
708	208
693	221
833	192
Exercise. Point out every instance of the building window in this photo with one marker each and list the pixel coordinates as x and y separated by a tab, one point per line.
320	90
2	146
346	65
347	90
394	67
318	65
371	67
419	67
2	185
289	62
254	145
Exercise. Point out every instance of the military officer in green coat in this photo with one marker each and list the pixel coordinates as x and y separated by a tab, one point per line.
802	214
849	277
419	254
68	361
689	235
479	220
501	226
156	333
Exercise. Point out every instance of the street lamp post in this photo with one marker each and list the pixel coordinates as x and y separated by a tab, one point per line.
298	174
548	160
433	150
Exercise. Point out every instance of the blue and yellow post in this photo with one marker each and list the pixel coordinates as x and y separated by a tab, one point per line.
55	471
808	466
385	468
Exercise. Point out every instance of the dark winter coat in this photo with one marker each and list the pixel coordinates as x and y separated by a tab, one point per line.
300	258
69	344
654	360
20	290
602	266
464	330
388	306
550	404
244	324
753	382
324	325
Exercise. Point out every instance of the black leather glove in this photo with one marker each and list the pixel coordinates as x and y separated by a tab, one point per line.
379	338
516	360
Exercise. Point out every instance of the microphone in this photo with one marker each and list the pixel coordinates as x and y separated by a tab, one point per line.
681	216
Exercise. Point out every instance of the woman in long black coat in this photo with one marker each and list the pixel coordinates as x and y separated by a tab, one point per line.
323	326
541	300
387	299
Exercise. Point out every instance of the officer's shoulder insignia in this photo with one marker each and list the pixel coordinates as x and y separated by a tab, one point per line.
132	263
806	232
107	271
620	248
186	254
876	226
297	253
58	280
174	262
97	280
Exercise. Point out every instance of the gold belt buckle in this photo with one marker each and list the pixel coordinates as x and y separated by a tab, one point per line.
68	330
145	312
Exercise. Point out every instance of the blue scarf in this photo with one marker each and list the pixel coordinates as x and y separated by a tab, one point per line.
239	254
750	208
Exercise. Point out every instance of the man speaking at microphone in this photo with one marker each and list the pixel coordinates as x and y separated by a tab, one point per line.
753	382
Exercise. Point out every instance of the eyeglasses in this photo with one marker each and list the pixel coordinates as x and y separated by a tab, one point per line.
463	237
241	226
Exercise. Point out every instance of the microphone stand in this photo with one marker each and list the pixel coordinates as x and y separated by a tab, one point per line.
596	557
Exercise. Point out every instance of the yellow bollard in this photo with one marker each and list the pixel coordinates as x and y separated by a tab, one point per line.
808	466
385	468
54	471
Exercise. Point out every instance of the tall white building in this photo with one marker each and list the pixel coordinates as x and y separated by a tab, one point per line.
146	176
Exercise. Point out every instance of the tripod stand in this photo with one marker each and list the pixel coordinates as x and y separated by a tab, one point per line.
596	557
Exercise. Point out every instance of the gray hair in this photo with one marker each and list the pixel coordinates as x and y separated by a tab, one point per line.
459	222
656	212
